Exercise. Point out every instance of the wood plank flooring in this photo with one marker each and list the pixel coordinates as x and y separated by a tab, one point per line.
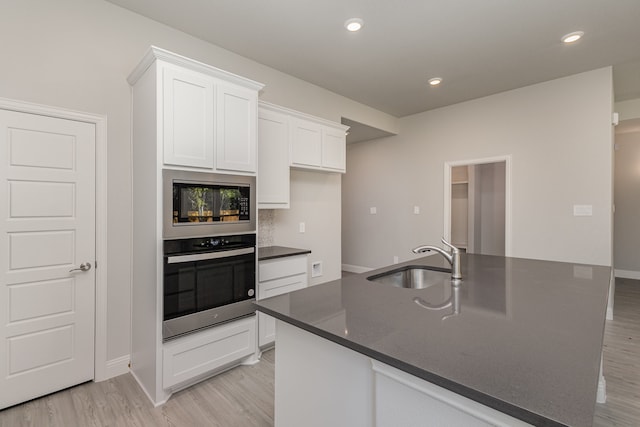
243	397
622	360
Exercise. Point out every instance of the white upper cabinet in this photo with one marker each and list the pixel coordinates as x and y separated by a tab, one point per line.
318	144
187	113
313	143
236	128
288	138
207	116
273	159
306	143
334	149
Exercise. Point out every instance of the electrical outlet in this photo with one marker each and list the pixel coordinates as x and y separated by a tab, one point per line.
373	210
316	269
416	210
302	227
395	259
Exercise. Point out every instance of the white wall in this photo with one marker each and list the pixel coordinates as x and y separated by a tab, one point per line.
77	54
315	200
627	202
560	138
629	109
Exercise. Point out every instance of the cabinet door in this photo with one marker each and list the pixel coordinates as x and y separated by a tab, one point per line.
236	122
306	143
334	149
203	352
266	330
187	112
273	160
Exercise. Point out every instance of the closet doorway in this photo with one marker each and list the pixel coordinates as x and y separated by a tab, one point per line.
477	214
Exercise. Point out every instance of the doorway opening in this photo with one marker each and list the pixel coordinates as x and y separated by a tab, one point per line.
477	205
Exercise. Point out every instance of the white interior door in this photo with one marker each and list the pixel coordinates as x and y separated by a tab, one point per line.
47	229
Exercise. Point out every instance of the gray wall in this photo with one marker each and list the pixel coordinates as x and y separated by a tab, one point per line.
489	222
627	202
559	136
76	54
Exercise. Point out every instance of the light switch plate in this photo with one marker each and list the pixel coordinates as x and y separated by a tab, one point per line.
373	210
582	210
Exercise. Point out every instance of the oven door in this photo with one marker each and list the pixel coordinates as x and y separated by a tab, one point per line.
207	288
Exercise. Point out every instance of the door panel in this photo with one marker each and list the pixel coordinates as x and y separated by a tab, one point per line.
41	199
47	228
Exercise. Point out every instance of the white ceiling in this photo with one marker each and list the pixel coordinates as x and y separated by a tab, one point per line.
478	47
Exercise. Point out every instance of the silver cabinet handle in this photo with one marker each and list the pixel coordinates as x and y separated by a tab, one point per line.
85	266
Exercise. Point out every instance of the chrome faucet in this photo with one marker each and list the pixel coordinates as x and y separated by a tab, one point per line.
453	257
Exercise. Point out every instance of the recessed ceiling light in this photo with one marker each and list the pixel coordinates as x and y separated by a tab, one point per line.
353	24
572	37
435	81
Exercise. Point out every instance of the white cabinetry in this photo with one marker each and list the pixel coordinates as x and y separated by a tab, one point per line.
236	135
273	158
208	116
306	144
401	399
185	115
353	389
276	277
318	144
334	149
198	354
288	138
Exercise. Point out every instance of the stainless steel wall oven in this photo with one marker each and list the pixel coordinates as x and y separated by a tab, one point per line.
207	281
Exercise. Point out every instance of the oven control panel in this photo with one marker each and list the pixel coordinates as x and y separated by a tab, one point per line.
208	244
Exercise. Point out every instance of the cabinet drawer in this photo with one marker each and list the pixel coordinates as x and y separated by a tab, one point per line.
281	267
281	286
197	354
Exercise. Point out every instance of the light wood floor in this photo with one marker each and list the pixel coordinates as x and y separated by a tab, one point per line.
243	397
622	360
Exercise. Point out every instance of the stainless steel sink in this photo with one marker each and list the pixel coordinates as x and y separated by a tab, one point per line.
413	277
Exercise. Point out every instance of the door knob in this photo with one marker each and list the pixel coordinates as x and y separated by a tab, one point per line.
85	266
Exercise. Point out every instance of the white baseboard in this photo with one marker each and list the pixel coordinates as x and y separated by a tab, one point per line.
627	274
116	367
355	268
601	396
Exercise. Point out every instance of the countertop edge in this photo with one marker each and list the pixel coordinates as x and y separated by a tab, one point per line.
274	252
477	396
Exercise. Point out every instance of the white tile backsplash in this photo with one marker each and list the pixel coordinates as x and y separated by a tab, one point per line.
265	227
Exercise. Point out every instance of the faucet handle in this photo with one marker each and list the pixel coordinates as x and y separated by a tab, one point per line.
453	248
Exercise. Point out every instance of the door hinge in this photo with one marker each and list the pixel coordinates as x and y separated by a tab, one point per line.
95	264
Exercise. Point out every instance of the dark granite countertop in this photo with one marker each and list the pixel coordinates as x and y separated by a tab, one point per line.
270	252
527	340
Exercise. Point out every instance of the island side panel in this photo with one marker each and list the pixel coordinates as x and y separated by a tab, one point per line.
319	383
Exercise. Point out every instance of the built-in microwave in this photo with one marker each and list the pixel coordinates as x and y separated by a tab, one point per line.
199	204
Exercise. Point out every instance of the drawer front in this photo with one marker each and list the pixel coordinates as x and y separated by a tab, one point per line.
281	286
196	354
281	267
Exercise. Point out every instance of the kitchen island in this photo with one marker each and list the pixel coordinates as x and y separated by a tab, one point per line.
518	343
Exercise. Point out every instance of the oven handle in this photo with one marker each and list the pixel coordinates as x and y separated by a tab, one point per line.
209	255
